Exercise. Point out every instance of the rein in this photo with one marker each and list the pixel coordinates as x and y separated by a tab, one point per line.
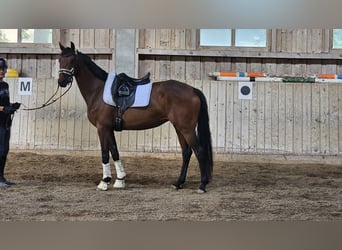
50	101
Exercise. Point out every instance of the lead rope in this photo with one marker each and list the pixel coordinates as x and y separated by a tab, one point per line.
50	100
70	73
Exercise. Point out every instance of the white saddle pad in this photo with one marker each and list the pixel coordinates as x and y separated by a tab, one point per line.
142	94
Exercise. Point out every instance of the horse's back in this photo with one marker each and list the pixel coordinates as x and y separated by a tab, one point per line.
173	89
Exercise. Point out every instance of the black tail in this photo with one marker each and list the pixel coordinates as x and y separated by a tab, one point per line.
203	134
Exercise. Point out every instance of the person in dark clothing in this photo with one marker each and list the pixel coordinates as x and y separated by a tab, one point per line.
6	111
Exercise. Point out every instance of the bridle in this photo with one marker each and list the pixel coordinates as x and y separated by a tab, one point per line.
70	76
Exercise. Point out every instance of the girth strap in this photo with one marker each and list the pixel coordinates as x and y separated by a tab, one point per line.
123	92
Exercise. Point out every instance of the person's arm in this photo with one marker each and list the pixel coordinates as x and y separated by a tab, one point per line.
8	109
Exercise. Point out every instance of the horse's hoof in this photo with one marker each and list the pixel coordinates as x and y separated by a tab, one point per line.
176	186
201	191
103	186
173	186
119	184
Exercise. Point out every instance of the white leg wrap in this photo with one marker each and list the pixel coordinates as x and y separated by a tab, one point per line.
103	186
120	175
106	170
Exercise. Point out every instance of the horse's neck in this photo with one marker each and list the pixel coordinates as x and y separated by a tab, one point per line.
90	86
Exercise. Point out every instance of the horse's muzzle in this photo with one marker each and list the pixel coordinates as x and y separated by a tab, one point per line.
63	82
66	76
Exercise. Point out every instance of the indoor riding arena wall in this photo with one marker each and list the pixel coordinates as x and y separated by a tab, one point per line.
282	119
288	119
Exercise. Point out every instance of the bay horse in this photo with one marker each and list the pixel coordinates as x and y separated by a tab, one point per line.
181	104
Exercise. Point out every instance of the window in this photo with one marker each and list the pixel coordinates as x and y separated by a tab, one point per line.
337	39
233	37
25	35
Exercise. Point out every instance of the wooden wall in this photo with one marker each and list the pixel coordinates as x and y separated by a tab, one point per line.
175	53
281	118
285	118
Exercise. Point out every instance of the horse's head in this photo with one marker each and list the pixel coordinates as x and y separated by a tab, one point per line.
67	63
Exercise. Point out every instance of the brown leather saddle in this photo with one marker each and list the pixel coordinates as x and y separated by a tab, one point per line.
123	92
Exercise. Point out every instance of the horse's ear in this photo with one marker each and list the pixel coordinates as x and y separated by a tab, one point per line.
61	46
72	46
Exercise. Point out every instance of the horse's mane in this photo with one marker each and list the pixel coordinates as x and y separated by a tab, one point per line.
94	68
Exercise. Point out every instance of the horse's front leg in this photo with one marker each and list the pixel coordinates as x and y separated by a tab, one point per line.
108	144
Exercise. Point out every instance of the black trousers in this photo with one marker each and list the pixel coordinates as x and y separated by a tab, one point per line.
5	134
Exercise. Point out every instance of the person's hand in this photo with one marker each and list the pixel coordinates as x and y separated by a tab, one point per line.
16	105
9	109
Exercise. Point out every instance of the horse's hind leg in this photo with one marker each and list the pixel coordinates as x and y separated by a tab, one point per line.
193	143
186	155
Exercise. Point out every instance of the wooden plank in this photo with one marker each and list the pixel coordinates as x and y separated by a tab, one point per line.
246	53
229	116
62	134
48	115
162	68
333	99
213	111
298	118
44	66
252	123
237	120
191	39
314	68
74	36
239	64
178	38
70	114
207	66
150	38
221	115
163	38
289	40
299	67
79	118
132	140
289	117
268	118
254	65
307	103
87	38
193	68
177	68
324	118
274	103
29	66
102	38
301	40
260	88
245	125
94	143
284	67
141	38
282	118
328	67
269	67
315	120
223	65
164	137
315	40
